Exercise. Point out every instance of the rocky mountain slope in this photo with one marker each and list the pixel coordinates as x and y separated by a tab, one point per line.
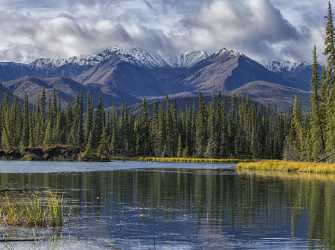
128	75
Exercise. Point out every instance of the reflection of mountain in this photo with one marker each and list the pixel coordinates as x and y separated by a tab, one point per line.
128	75
197	208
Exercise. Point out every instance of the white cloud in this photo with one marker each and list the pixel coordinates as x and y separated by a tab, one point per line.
264	29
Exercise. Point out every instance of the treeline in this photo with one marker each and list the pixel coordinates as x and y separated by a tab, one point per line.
241	129
312	135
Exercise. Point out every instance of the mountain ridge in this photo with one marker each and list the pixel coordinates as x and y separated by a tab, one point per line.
129	75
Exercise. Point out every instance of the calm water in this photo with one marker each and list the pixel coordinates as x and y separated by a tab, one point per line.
128	205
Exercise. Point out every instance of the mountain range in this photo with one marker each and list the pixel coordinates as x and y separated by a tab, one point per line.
129	75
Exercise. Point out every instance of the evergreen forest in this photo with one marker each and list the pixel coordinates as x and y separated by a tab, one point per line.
223	127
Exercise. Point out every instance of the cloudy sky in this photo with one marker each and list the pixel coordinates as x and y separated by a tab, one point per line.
263	29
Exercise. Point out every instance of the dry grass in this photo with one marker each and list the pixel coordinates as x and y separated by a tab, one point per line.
294	176
288	166
32	211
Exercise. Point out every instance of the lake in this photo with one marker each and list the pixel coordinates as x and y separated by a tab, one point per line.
136	205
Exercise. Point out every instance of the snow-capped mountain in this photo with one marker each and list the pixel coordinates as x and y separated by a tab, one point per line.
229	53
284	66
128	75
135	56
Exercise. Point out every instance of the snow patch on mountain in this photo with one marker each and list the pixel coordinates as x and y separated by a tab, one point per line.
229	53
284	66
135	56
190	58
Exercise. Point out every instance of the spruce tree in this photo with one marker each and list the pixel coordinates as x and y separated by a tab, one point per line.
330	39
48	137
89	118
294	142
26	123
99	120
330	143
201	127
316	133
103	148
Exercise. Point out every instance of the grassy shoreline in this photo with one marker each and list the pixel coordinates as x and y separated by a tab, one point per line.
287	166
67	153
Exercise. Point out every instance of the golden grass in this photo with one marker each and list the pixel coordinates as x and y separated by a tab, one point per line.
32	211
294	176
188	160
288	166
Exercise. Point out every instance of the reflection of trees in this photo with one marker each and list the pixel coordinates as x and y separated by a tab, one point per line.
310	196
282	203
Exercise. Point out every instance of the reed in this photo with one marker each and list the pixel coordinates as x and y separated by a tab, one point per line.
32	211
288	166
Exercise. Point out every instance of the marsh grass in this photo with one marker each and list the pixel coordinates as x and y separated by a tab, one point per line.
293	176
189	160
288	166
32	211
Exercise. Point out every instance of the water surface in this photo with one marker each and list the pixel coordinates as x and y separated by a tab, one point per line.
135	205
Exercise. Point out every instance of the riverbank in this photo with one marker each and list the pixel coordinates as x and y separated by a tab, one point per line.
69	153
287	166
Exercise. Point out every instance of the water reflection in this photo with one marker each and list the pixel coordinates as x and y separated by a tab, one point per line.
190	209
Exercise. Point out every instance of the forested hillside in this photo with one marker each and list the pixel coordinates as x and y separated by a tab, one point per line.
239	129
312	135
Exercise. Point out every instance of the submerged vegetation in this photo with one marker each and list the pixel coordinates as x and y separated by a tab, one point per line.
32	211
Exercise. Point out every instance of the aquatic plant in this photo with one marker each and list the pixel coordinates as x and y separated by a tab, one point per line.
33	211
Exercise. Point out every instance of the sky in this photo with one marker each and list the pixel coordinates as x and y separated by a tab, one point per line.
265	30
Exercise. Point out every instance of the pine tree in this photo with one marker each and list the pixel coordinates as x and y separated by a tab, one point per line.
114	147
48	137
201	127
330	39
26	123
42	103
99	120
330	143
294	145
103	148
212	147
143	135
89	118
180	146
316	133
89	153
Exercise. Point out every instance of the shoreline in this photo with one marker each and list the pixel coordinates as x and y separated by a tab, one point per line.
287	166
63	153
68	153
